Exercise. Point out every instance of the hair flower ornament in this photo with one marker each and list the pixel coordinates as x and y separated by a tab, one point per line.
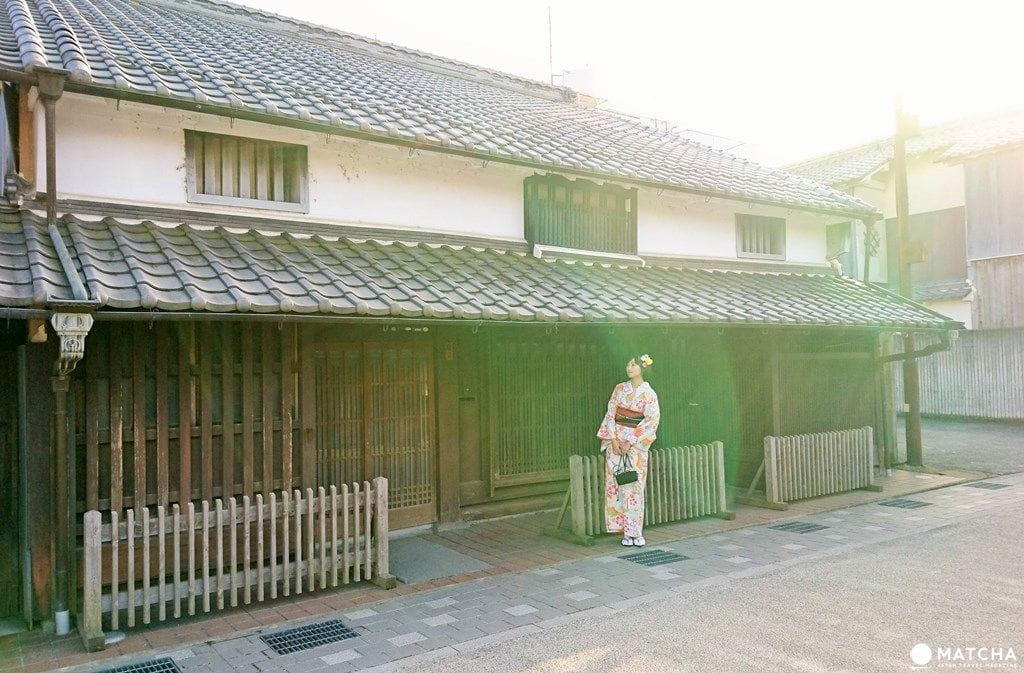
645	360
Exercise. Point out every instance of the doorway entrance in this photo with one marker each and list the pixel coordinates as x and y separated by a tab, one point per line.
375	416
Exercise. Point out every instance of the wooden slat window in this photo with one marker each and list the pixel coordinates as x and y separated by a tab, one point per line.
227	170
580	214
760	236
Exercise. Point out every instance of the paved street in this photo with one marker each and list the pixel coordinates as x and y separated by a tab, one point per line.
996	447
858	610
852	589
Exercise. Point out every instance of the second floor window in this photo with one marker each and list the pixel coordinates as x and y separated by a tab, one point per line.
248	172
580	214
760	236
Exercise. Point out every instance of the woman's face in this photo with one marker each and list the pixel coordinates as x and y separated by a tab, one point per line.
633	369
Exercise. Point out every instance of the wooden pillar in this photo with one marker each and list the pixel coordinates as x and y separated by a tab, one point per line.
38	415
307	407
447	377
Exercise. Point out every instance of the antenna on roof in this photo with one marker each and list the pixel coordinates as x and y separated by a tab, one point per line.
551	51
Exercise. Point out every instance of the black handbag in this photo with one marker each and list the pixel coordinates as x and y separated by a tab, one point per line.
625	473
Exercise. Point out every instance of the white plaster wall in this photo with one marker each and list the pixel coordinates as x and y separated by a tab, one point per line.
931	186
957	309
134	153
670	223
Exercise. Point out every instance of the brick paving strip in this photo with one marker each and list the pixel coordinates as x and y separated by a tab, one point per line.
405	631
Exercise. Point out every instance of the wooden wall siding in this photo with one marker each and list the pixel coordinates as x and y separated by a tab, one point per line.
580	214
547	400
995	205
375	412
981	376
822	392
999	297
943	233
232	386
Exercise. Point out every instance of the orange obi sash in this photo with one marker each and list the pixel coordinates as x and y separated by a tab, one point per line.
628	417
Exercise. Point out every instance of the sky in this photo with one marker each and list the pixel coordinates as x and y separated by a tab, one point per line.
776	81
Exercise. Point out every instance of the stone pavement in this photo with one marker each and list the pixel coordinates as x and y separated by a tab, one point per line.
407	630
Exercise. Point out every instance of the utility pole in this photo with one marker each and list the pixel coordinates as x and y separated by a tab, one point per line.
909	253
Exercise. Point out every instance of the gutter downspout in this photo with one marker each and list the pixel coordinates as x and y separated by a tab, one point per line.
50	82
945	343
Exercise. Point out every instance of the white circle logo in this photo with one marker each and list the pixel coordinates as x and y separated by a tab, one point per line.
920	654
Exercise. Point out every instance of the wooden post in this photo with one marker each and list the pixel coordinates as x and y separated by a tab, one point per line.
577	503
90	626
381	575
911	382
448	451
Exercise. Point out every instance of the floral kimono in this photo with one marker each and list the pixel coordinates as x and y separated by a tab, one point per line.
633	417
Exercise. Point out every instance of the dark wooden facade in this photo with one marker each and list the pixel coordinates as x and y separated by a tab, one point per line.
458	417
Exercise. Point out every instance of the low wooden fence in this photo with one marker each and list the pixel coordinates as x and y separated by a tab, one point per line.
980	376
683	482
805	466
164	563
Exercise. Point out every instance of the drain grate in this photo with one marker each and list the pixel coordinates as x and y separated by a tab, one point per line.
904	503
988	485
305	637
799	527
654	557
162	665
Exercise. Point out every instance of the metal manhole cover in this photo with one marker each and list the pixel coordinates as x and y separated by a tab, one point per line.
904	503
654	557
310	635
162	665
799	527
988	485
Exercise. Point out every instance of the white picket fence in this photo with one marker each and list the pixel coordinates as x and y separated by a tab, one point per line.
162	563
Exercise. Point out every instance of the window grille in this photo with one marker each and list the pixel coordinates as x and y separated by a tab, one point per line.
760	236
228	170
580	214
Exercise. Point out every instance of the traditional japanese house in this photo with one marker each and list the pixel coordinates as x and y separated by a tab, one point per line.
240	253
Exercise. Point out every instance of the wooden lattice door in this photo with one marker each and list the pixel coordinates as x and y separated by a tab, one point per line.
375	416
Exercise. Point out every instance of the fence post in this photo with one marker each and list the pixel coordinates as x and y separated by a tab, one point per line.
381	575
90	626
771	474
723	507
577	503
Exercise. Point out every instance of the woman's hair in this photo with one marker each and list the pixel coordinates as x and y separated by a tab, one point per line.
645	361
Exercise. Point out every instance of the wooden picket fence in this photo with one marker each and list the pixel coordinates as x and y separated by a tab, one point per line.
805	466
164	563
683	482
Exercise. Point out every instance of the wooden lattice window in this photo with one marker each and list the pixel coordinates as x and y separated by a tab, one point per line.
375	418
541	415
580	214
760	236
228	170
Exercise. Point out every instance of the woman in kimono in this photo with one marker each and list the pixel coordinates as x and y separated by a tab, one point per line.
627	433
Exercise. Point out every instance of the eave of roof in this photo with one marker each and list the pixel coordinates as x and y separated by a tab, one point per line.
184	269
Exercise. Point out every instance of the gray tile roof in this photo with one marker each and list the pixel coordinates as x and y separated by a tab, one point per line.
186	268
948	142
237	61
942	290
30	272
